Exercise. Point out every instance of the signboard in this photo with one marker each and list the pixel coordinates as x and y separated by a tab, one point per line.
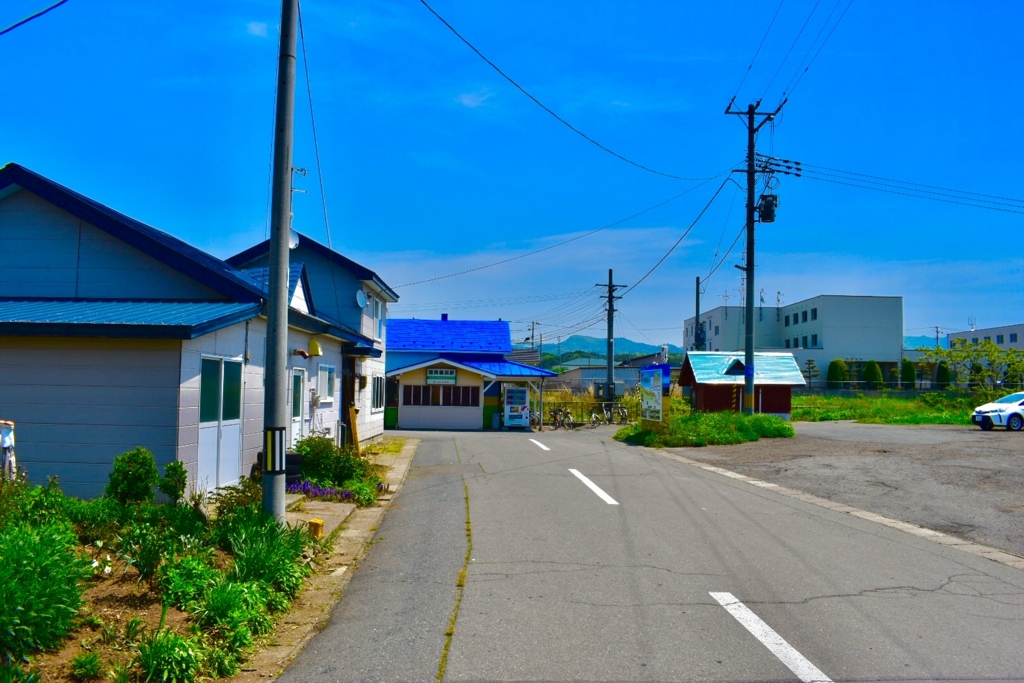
650	394
517	407
440	376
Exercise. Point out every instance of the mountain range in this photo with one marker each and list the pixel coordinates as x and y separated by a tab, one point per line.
599	345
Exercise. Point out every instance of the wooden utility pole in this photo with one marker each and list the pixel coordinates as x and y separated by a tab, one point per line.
610	362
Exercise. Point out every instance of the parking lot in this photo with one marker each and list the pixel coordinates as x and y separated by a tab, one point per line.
958	480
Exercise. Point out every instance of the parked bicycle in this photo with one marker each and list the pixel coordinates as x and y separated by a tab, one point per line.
9	461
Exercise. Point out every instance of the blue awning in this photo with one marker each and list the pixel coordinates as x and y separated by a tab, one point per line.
135	319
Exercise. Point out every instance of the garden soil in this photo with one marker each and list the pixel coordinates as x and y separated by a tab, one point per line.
957	480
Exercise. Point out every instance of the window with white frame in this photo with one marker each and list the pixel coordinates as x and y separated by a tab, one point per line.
377	398
325	383
378	313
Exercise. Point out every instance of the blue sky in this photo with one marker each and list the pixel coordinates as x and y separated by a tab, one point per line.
434	164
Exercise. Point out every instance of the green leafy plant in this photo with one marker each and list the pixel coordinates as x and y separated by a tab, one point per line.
324	462
943	376
13	673
270	553
174	481
121	671
169	657
708	429
142	547
86	666
363	493
134	477
872	375
39	588
185	581
908	374
134	630
235	612
220	663
837	374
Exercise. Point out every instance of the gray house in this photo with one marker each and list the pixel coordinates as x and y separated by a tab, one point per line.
114	334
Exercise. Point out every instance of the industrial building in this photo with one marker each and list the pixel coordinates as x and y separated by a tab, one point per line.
1007	336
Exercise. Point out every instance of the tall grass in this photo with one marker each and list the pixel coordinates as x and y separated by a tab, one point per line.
934	408
707	429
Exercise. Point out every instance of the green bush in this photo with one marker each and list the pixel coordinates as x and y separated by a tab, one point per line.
220	663
233	613
22	503
943	377
186	581
134	477
267	552
174	481
363	493
708	429
39	588
929	408
327	464
908	374
13	673
95	520
168	657
837	374
86	666
142	547
872	375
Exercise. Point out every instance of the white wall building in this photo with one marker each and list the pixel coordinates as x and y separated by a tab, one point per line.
854	328
1007	336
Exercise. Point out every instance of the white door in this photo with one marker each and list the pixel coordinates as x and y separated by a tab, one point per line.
220	424
298	403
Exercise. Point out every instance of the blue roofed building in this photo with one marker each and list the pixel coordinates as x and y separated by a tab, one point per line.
450	374
714	381
114	334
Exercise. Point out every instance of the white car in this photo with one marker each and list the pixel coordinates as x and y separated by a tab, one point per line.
1007	411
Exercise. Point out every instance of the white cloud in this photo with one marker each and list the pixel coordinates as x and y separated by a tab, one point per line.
257	28
474	99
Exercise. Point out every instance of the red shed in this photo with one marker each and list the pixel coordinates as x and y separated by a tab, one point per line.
715	380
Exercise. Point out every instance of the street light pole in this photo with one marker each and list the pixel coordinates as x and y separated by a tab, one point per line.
275	409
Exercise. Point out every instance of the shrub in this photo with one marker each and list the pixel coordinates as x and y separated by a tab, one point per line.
174	481
184	582
837	374
95	520
12	673
169	657
22	503
233	613
363	493
908	374
872	375
942	375
325	463
267	552
39	588
134	477
86	666
142	547
220	663
708	429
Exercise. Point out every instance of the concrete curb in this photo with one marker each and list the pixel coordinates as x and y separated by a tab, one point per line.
313	606
993	554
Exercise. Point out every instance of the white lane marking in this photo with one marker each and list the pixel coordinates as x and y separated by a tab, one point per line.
540	444
797	663
595	488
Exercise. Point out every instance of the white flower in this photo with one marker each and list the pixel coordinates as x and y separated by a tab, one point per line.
95	563
108	558
106	570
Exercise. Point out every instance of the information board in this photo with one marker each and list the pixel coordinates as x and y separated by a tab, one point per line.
650	394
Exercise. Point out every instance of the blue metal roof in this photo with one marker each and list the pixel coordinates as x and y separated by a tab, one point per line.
197	264
361	272
137	319
296	272
507	368
726	367
486	336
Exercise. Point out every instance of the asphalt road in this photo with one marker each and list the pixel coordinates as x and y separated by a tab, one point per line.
690	575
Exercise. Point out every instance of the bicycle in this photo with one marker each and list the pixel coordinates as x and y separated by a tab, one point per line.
10	461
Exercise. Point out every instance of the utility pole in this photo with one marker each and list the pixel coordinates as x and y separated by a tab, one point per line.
697	345
610	362
275	410
936	336
750	118
533	333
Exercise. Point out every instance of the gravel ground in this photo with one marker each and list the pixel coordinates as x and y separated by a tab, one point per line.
958	480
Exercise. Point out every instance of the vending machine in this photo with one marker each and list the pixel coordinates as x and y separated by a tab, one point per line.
517	407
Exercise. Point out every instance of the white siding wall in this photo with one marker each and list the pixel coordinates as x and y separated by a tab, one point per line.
78	403
370	422
48	252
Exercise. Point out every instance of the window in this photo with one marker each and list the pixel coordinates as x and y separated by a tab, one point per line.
1013	337
814	340
974	340
787	321
796	342
435	395
325	383
805	342
814	314
999	339
716	330
787	343
377	312
988	338
803	317
377	398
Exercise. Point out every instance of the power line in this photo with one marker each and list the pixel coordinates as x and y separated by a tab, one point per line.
836	25
758	51
548	109
34	16
724	257
810	48
793	45
560	244
635	327
312	119
681	237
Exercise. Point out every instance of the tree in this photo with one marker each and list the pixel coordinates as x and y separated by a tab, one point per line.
837	374
812	371
908	375
942	375
872	375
